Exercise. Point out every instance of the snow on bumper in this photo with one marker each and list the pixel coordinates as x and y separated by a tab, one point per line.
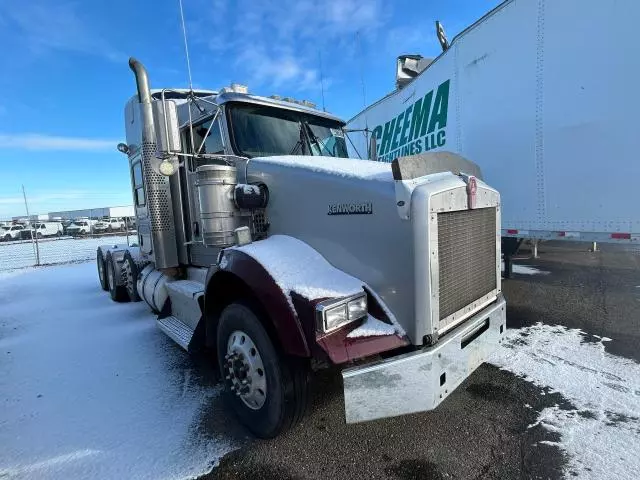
421	380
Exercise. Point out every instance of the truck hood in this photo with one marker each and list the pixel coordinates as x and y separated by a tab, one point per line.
341	167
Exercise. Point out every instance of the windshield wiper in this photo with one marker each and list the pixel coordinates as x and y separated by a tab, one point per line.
314	138
299	143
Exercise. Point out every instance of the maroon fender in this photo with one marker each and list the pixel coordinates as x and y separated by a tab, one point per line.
284	319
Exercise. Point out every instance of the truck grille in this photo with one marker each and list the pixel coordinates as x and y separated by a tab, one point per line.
466	257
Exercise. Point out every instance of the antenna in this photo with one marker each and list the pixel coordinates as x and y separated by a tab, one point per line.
321	80
186	47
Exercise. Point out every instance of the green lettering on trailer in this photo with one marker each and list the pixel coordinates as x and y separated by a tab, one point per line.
386	136
440	107
420	117
405	127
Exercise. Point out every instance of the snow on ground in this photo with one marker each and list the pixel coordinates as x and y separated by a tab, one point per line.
20	255
92	389
601	436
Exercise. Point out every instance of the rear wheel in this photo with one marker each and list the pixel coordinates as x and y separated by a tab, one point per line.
102	274
130	274
266	391
39	235
117	292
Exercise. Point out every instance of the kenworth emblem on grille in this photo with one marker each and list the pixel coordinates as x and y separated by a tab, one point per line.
363	208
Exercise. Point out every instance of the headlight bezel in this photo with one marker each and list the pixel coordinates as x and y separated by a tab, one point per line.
342	304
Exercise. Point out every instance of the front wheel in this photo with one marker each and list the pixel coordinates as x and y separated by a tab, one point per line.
267	392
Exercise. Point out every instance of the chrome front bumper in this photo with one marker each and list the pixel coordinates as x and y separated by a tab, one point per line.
419	381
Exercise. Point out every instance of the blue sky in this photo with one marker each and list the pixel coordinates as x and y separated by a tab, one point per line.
65	79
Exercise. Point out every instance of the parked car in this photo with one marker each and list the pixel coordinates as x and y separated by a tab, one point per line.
43	229
80	227
109	225
11	232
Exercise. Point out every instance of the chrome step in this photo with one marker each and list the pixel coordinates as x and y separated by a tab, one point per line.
177	330
188	288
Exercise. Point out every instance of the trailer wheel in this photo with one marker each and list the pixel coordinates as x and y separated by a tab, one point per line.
102	274
117	292
130	274
266	391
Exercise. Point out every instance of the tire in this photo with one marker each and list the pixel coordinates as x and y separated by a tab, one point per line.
102	270
130	273
7	238
286	381
39	235
110	229
118	293
59	234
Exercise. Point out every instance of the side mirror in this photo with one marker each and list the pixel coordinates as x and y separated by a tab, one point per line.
165	120
373	149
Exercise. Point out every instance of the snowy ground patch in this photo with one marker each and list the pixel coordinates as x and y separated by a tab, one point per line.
92	389
601	435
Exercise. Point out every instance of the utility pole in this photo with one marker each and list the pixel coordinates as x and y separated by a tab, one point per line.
34	235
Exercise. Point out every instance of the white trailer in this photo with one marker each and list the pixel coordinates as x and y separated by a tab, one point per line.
543	96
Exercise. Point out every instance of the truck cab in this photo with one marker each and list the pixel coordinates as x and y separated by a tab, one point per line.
259	240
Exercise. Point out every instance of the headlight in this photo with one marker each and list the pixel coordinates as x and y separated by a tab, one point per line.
333	314
335	317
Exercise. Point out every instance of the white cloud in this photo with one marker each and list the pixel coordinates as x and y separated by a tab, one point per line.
36	141
276	43
46	26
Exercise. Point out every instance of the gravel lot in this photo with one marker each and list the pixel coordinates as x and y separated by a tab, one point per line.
482	430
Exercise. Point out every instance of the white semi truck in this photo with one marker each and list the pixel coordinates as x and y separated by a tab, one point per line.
542	95
261	242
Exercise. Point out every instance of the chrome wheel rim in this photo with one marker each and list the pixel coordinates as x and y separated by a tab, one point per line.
244	369
131	286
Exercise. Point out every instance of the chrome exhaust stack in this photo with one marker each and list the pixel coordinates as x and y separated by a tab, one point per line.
142	80
156	224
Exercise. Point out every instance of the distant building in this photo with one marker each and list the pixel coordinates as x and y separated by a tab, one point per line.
100	212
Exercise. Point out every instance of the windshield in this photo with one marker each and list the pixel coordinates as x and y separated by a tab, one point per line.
266	131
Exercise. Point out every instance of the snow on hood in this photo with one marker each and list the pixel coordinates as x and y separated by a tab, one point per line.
342	167
372	327
601	435
297	267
